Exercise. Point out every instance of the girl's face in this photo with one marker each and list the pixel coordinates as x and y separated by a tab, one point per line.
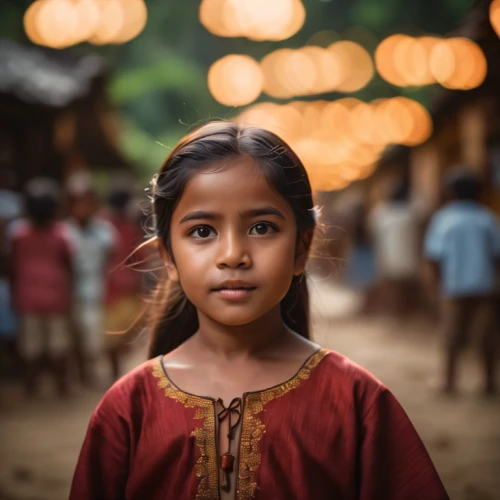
234	241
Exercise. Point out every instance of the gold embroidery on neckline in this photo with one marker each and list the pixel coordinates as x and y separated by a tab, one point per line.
206	465
253	428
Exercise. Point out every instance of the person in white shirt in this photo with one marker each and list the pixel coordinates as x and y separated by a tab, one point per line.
94	240
394	225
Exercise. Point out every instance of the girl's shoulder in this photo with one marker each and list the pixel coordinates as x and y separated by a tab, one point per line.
343	378
133	391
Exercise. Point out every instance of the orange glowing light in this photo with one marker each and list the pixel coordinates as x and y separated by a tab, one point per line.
135	18
111	21
328	69
384	59
273	67
88	13
356	64
458	63
56	23
495	16
255	19
30	22
235	80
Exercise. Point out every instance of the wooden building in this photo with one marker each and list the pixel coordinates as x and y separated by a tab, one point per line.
55	117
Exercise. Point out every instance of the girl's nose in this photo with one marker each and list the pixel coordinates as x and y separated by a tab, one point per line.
233	253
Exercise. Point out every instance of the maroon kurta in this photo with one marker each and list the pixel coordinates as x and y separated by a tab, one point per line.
331	432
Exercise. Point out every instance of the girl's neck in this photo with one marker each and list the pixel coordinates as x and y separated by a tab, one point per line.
252	339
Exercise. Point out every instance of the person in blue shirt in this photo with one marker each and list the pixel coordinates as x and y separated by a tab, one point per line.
462	244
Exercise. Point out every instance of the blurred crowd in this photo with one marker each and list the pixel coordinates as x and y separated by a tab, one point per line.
70	286
407	260
69	293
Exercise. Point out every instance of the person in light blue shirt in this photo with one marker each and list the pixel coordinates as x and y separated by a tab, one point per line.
463	245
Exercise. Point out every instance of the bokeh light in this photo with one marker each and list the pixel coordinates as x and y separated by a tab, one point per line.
235	80
344	66
62	23
458	63
257	20
455	63
495	15
341	141
356	65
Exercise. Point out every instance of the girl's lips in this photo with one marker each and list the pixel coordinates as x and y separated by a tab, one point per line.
234	293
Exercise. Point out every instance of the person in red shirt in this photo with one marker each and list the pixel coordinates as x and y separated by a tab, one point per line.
236	401
123	292
41	275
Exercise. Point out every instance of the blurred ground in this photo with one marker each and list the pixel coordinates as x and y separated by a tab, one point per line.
40	440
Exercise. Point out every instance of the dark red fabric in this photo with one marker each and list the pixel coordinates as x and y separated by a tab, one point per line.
124	281
339	435
41	268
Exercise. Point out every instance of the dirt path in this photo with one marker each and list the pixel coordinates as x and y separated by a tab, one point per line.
40	440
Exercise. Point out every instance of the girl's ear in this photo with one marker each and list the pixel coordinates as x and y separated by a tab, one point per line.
302	252
172	273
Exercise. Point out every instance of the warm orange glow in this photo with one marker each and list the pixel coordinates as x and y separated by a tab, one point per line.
356	65
410	60
135	19
422	123
300	75
458	63
273	69
88	13
111	21
495	16
328	69
296	22
61	23
341	141
384	59
56	23
30	22
255	19
235	80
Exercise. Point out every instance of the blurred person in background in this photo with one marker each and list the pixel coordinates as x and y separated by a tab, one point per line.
394	225
95	239
123	293
462	245
360	268
41	277
11	208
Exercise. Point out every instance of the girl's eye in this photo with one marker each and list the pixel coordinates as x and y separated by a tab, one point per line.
202	232
262	228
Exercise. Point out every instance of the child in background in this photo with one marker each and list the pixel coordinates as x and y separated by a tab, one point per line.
95	239
41	274
463	246
236	401
123	301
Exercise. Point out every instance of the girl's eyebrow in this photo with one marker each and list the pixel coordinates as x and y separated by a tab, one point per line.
200	215
262	211
247	214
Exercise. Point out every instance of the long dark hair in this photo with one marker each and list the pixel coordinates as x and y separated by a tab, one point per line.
174	317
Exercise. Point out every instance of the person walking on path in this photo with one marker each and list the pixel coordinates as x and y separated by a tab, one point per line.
462	245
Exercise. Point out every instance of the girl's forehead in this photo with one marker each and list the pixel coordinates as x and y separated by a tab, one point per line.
236	182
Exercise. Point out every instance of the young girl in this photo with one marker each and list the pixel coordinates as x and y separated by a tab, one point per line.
236	401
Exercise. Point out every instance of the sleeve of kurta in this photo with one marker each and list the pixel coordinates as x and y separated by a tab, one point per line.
393	462
102	467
